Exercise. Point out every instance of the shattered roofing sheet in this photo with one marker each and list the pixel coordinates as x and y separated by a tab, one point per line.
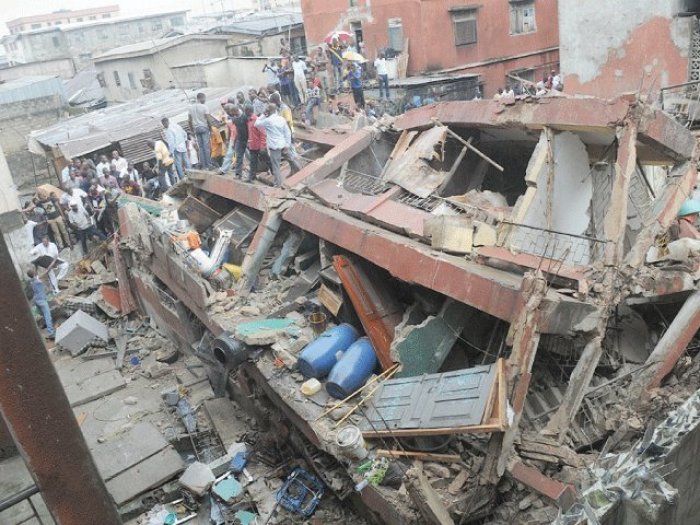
87	133
452	399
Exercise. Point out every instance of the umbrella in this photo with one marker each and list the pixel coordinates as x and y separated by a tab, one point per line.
341	36
352	56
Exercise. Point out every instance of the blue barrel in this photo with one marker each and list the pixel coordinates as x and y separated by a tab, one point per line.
352	370
317	359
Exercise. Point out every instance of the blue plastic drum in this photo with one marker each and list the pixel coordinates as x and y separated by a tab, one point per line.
352	370
317	359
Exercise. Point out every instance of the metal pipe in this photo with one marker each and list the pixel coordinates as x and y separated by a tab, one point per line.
39	417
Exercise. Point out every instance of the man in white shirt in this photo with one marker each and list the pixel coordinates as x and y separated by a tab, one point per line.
382	75
57	269
104	163
119	163
279	140
176	138
81	222
299	67
65	174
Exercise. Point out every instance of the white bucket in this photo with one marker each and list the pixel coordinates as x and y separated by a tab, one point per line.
351	443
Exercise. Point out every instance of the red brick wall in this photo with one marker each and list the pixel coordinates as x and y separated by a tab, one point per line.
429	28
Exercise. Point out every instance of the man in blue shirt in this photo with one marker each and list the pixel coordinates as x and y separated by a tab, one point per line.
355	78
40	300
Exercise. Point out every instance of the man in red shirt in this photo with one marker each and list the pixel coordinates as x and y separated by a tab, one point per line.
257	142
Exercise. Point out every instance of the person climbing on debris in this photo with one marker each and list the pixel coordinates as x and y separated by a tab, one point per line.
279	140
38	295
684	227
45	255
80	221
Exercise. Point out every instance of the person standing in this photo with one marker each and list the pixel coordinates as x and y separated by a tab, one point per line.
80	221
241	143
271	69
257	142
232	111
44	250
299	68
382	75
199	120
313	99
192	153
119	164
355	78
55	219
132	174
176	137
164	162
104	163
335	53
279	140
41	301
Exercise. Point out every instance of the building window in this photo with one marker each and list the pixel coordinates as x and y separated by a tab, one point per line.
297	45
156	26
55	41
132	80
354	3
522	17
117	80
36	26
102	34
93	18
101	80
464	24
140	27
395	32
177	21
107	15
79	19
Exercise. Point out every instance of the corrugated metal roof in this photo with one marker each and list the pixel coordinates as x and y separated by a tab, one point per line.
115	124
276	22
150	47
31	87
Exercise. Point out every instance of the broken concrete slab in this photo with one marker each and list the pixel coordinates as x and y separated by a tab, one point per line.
79	331
114	457
225	420
198	478
146	475
94	387
452	234
266	331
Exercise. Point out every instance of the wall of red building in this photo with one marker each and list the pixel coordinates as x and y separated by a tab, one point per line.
428	26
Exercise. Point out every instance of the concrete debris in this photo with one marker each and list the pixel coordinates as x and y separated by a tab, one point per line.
197	478
79	332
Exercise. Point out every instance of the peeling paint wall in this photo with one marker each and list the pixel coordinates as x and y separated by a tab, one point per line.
608	48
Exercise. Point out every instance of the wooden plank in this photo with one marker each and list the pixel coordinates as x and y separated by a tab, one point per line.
81	418
468	144
453	170
502	392
331	300
114	457
426	499
492	426
423	456
121	351
147	475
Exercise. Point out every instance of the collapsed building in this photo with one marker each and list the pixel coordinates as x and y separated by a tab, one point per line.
508	263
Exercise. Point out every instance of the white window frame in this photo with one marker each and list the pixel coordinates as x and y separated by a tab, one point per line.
522	22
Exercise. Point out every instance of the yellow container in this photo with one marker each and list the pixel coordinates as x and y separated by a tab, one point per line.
235	271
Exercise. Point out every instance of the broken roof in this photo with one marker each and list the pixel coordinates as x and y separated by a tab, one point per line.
99	129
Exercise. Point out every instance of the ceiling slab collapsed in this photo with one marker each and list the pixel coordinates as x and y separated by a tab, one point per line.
474	243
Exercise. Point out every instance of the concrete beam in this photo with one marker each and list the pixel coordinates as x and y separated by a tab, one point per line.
585	114
671	346
333	160
562	494
490	290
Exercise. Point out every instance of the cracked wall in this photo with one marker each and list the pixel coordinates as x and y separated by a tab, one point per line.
636	44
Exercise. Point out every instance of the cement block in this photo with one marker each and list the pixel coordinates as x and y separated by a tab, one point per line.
197	478
450	233
79	331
